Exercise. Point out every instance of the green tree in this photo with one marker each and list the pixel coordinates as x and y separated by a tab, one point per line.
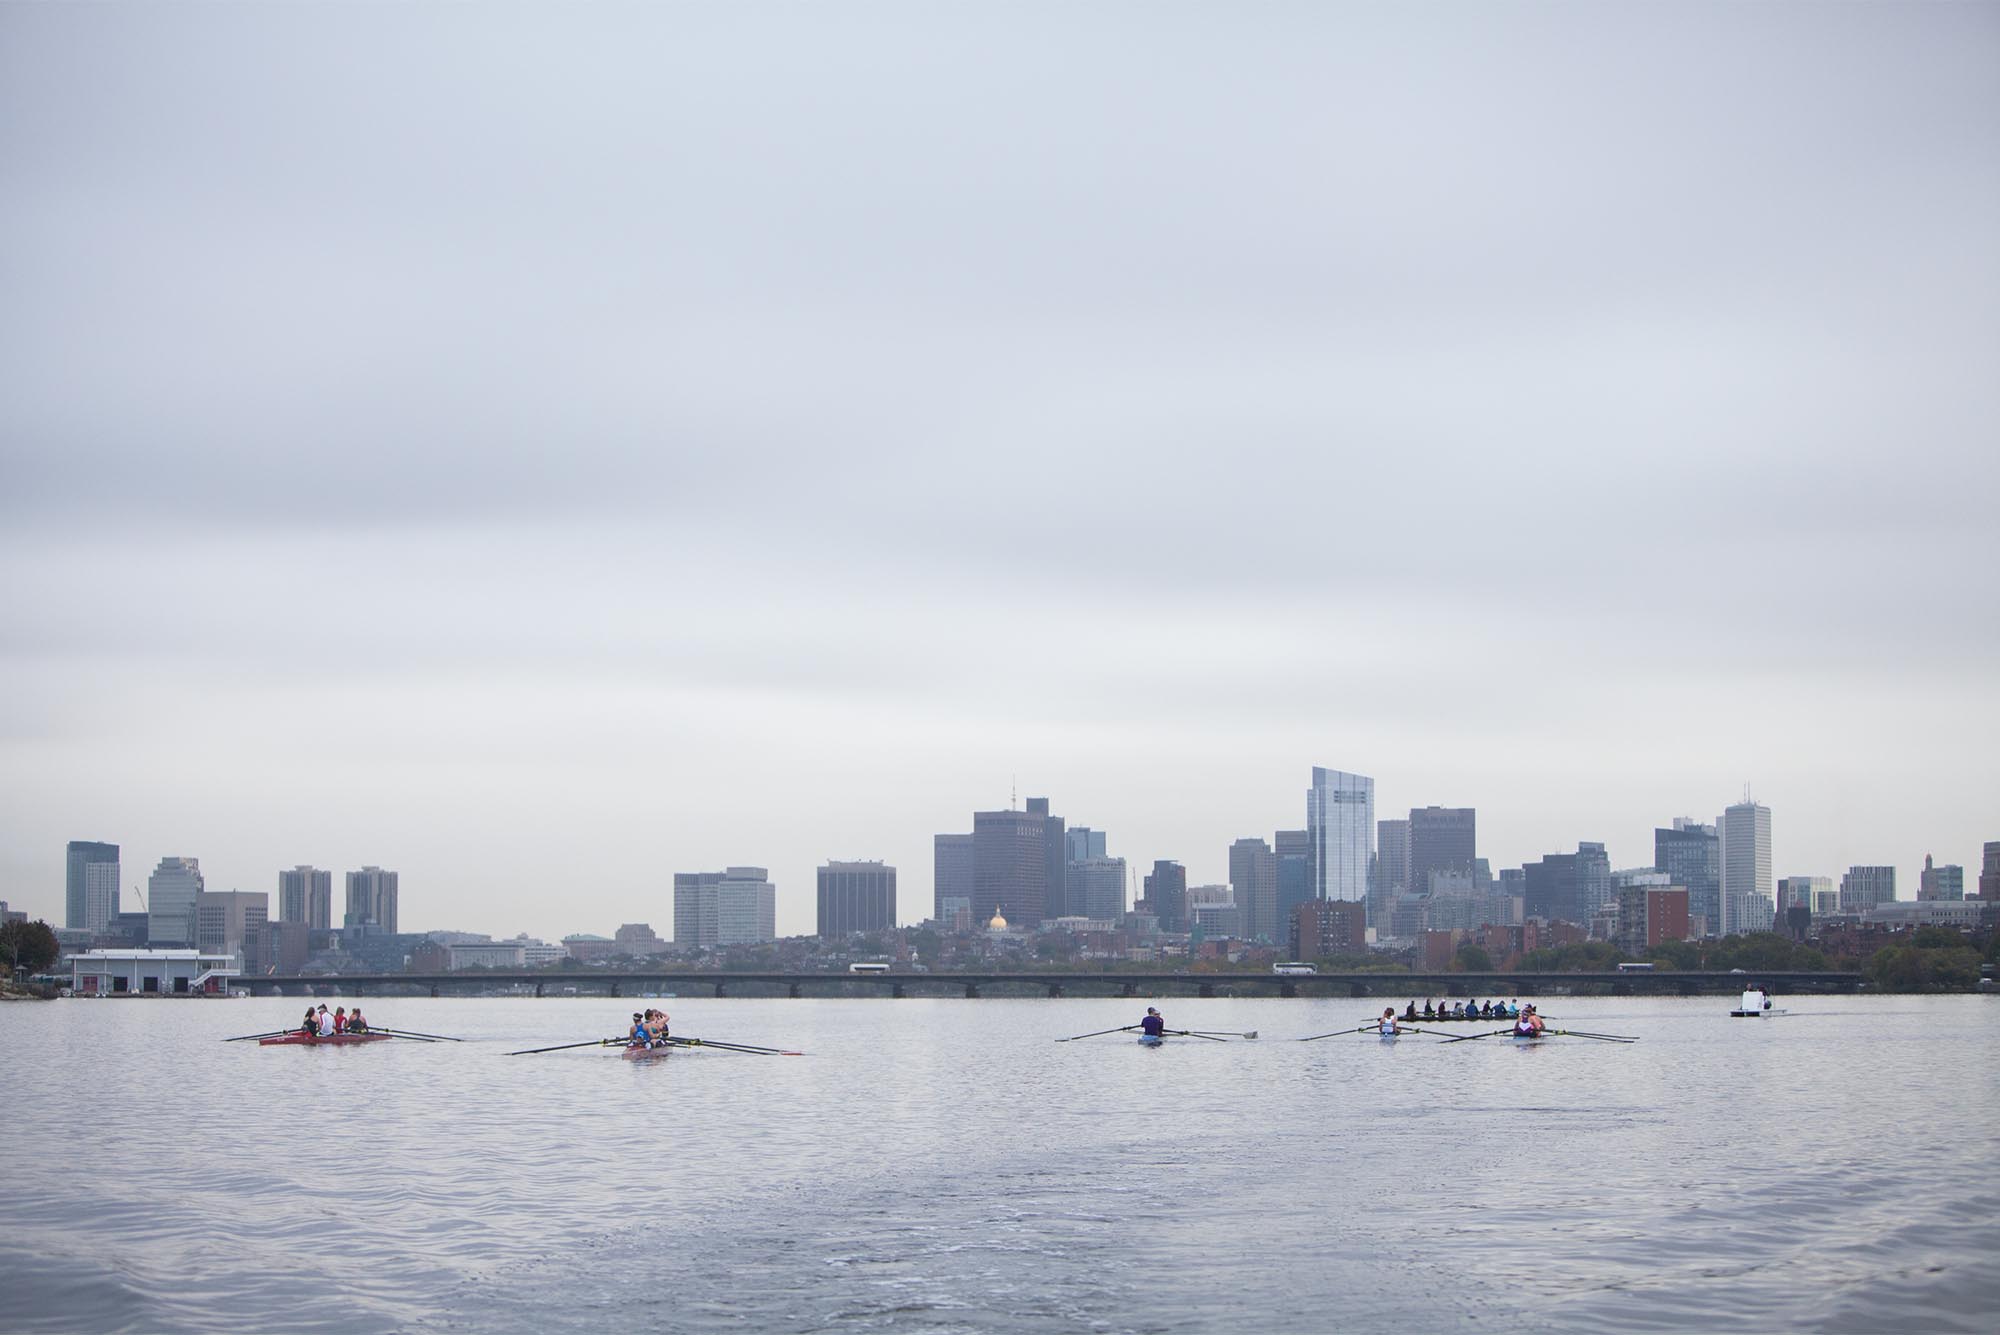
1914	968
1676	955
28	947
1472	959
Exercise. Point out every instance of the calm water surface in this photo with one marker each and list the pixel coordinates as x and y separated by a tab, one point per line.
943	1166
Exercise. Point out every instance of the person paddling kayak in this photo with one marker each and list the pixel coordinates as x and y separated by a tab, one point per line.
1153	1026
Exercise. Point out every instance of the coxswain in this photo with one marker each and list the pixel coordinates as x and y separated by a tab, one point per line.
1153	1026
340	1019
1528	1025
1390	1027
355	1024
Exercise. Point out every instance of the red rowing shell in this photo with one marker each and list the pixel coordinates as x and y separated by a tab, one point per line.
314	1040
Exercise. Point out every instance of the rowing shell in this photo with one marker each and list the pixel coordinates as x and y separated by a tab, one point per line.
1151	1041
315	1040
1752	1015
646	1054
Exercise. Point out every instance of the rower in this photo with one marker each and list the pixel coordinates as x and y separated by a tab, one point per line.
656	1024
1427	1008
640	1036
355	1024
1528	1025
325	1022
1153	1026
340	1019
1410	1011
310	1025
1390	1027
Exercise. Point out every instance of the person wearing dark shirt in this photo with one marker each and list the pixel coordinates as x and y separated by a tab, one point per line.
1153	1026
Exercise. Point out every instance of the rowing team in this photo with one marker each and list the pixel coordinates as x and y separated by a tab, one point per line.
318	1024
1464	1010
649	1029
1527	1024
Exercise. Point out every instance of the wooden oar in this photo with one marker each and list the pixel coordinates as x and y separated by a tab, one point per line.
273	1034
1359	1029
527	1052
732	1047
1219	1033
1123	1028
411	1033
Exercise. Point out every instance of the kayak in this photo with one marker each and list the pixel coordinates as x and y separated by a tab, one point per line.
314	1040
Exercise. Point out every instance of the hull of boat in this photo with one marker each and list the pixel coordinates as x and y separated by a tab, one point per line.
1148	1041
644	1054
315	1041
1753	1015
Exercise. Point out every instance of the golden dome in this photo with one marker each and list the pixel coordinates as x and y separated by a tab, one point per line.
999	924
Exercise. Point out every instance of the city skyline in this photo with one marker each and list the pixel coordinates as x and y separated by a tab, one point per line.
1571	414
795	902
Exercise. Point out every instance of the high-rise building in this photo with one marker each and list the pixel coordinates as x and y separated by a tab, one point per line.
1442	839
1097	888
1651	914
1340	822
1253	875
371	899
1814	894
1017	864
1744	834
170	899
1392	868
1081	843
951	878
1166	896
1691	854
1568	887
1324	927
1865	887
1940	882
856	897
1989	871
1293	851
232	922
90	895
734	906
305	896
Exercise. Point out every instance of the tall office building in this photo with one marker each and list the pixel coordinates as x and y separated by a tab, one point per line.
856	897
1097	888
1940	882
371	898
1989	871
1253	876
734	906
1392	868
305	896
90	892
1081	843
1442	839
232	922
951	877
170	899
1167	896
1865	887
1814	894
1691	854
1017	864
1340	823
1744	835
1568	887
1293	851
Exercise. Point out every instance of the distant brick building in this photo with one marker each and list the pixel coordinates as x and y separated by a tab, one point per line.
1322	927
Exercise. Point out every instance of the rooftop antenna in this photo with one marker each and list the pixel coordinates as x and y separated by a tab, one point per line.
1013	791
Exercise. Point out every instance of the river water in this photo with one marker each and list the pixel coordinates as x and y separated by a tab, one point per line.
944	1166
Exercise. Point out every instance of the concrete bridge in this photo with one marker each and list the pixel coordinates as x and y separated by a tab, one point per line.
973	983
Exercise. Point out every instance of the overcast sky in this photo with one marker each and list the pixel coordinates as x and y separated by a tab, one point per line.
543	448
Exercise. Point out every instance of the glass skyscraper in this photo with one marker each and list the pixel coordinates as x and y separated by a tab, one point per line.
1340	824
